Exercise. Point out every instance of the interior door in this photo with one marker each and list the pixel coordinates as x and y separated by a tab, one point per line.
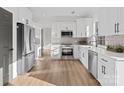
5	46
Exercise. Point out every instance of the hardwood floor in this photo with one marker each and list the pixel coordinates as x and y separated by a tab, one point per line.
57	72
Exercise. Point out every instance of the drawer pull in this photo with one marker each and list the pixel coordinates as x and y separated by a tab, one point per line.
104	70
104	60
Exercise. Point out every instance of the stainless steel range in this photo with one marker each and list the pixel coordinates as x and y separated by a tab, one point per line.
67	51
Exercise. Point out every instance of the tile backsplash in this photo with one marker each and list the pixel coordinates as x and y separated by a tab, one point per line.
74	40
82	41
114	40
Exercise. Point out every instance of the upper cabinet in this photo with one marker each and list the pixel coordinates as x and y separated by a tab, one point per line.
84	27
110	21
107	19
120	20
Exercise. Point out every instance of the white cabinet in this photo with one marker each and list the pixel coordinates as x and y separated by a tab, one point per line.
111	21
120	20
84	27
107	19
79	53
56	31
55	34
83	55
76	52
106	71
55	51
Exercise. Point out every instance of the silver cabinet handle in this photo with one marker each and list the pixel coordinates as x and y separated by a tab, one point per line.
117	27
11	49
104	60
104	70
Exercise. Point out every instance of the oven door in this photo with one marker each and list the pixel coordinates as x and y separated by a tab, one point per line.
67	51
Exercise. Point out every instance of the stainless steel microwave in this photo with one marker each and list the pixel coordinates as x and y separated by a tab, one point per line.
66	34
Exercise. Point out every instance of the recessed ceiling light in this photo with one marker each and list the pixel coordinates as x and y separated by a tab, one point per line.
72	12
78	15
44	14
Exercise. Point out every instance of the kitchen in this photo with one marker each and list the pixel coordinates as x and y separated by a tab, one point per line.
89	37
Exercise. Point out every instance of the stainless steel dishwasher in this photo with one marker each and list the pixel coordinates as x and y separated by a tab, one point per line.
93	63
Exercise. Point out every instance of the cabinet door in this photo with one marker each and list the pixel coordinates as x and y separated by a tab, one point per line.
109	76
56	34
106	75
107	19
56	31
84	27
100	73
56	52
79	53
75	52
82	56
74	29
88	27
80	32
85	56
121	20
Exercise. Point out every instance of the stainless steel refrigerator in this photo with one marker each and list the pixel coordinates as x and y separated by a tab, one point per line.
25	48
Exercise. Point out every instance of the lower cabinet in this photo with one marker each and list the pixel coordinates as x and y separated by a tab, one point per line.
106	75
83	56
55	51
76	52
110	71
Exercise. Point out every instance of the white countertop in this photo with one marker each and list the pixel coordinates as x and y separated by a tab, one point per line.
102	51
116	56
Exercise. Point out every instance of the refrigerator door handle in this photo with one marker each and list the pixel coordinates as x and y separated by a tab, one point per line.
30	39
115	27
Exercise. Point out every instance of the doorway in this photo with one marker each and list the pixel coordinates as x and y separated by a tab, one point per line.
5	46
46	41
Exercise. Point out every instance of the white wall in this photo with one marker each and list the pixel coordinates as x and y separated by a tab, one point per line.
24	14
47	37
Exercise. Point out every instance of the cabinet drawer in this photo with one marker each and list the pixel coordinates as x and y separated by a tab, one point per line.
107	61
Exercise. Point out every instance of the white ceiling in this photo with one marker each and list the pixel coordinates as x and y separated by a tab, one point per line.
41	14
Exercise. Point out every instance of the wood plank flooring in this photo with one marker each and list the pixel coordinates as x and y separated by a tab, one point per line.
57	72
